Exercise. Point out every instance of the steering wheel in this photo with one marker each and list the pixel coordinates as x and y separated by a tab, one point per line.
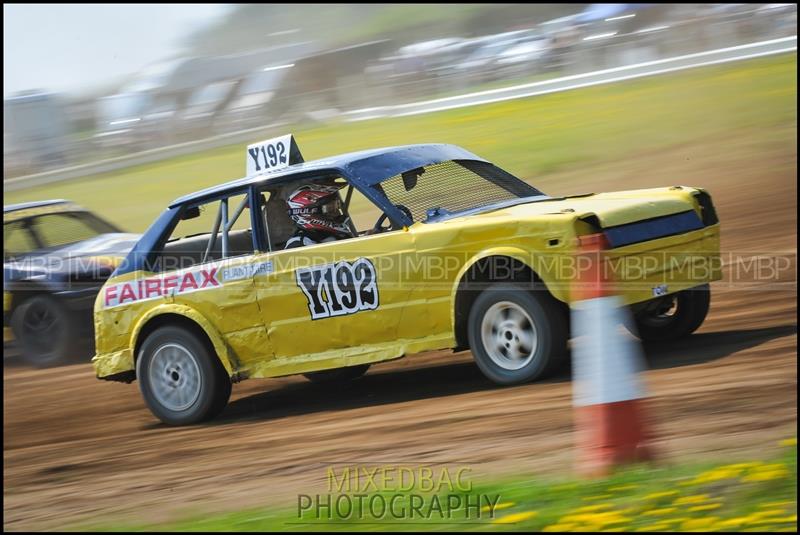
378	228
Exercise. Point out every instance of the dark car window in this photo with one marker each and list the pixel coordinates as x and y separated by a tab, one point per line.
200	236
64	228
17	240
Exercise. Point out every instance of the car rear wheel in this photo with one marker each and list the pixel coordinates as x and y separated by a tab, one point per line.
338	375
45	331
517	335
181	380
673	317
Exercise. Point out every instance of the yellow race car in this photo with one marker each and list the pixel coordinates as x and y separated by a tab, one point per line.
433	248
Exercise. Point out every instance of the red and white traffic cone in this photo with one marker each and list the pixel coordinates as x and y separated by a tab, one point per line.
607	390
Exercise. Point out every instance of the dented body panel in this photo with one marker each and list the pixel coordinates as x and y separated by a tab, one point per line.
285	312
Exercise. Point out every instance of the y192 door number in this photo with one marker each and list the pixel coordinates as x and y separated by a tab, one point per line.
339	289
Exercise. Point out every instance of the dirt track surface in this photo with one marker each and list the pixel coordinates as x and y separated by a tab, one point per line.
76	449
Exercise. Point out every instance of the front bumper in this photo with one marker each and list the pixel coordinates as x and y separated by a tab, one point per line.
665	266
108	365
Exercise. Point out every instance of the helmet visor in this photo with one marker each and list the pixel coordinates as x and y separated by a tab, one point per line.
332	208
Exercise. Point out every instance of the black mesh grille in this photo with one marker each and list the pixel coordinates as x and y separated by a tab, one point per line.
454	186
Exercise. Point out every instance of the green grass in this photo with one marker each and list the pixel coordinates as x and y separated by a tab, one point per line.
759	495
529	137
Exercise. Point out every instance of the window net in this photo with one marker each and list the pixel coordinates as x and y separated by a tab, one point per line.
453	186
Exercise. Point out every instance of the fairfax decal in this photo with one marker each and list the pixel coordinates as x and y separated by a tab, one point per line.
151	288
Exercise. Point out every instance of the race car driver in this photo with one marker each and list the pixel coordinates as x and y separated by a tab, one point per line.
317	212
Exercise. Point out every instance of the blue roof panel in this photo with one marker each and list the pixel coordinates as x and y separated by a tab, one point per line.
363	168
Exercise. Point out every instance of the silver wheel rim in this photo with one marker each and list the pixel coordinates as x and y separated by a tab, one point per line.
174	377
509	335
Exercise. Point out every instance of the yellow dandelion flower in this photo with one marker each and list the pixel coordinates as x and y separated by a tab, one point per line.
775	504
655	527
558	527
498	507
739	466
767	475
706	507
675	520
597	518
773	520
699	523
788	442
718	474
791	518
773	466
732	522
593	507
575	518
687	500
610	517
516	517
767	513
623	488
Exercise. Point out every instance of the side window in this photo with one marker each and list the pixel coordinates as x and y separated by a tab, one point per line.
349	215
363	211
55	230
208	232
17	240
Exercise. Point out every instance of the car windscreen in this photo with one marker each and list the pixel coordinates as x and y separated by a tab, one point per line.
452	187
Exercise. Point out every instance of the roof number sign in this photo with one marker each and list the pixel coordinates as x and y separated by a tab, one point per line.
272	154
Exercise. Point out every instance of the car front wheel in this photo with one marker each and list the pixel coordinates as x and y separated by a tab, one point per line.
674	316
181	380
517	335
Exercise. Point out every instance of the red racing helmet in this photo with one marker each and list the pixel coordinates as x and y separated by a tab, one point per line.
317	208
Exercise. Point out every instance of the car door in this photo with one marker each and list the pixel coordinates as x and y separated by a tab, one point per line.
333	300
214	276
342	297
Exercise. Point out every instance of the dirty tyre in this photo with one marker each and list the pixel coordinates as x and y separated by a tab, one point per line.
338	375
688	311
45	331
181	380
517	335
